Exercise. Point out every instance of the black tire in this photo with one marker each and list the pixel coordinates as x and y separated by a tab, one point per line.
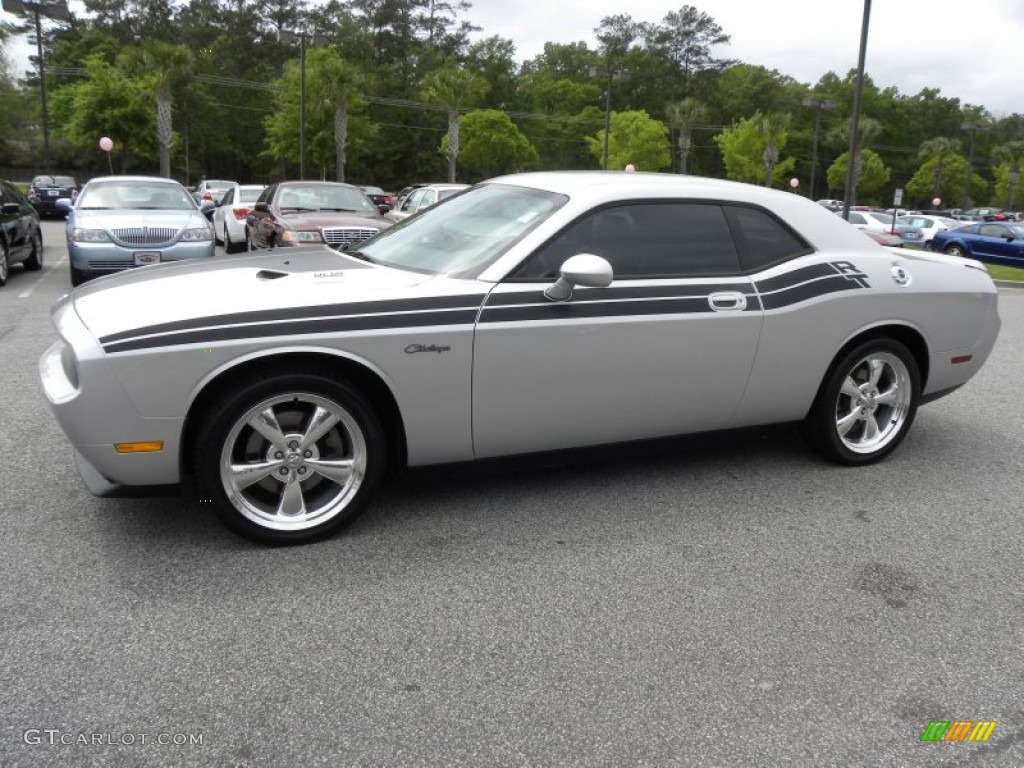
79	276
230	246
293	482
5	265
248	240
34	262
866	404
954	250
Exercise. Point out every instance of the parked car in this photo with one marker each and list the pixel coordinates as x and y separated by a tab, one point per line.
423	197
211	190
832	205
929	225
884	238
534	312
379	197
45	190
120	222
985	214
230	213
308	212
908	234
21	239
993	242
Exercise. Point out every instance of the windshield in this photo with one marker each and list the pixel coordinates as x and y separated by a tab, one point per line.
324	197
135	195
465	232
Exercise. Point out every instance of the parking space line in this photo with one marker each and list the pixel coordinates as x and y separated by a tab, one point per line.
47	271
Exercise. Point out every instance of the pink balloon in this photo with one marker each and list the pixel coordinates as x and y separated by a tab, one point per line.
106	144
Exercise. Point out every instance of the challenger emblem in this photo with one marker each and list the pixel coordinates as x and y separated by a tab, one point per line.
414	349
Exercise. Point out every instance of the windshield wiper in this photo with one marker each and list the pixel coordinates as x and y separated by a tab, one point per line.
339	210
360	255
295	208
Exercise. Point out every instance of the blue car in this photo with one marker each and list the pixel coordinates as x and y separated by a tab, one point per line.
121	222
994	242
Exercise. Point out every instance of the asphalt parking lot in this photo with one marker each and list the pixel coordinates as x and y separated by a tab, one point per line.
711	602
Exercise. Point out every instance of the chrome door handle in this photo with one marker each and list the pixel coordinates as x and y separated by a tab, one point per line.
727	301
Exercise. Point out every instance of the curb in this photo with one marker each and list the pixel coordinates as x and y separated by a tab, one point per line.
1009	284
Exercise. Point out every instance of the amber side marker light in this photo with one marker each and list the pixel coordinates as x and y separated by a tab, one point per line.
962	359
147	446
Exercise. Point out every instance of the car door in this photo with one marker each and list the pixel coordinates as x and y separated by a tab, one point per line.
222	210
665	349
18	222
998	242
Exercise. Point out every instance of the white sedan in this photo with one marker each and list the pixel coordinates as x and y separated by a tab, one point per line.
930	225
531	313
230	214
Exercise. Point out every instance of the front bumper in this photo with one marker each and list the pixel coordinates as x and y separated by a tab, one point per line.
94	411
109	257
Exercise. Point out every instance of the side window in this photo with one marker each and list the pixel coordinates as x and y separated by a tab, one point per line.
993	230
857	219
644	240
412	201
762	239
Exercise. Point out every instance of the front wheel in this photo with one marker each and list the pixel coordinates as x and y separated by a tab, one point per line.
290	458
954	250
866	404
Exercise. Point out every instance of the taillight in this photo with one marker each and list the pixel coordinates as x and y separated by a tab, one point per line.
240	213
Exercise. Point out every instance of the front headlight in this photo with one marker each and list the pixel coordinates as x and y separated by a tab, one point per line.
294	237
89	236
196	235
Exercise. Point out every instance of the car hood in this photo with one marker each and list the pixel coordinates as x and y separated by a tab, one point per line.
331	219
110	220
300	278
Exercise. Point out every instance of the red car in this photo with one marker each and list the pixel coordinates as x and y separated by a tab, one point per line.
311	212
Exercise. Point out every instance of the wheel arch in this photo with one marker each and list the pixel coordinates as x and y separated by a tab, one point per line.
366	380
906	335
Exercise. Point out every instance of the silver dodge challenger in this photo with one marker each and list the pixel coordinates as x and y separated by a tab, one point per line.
532	313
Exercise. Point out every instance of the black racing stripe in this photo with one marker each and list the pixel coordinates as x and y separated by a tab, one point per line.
299	313
797	276
299	327
702	290
807	291
573	310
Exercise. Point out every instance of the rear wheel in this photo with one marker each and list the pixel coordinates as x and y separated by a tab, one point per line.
4	265
35	258
230	246
867	403
290	458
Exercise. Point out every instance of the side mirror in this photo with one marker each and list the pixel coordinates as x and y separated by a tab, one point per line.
262	207
383	208
584	269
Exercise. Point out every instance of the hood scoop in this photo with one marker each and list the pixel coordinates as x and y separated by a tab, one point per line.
271	274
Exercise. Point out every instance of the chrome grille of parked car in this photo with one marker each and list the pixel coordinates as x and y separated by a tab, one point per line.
340	236
144	235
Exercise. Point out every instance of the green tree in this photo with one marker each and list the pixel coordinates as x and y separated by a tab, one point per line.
159	66
106	103
684	39
1009	157
747	146
871	176
635	138
492	144
453	88
682	117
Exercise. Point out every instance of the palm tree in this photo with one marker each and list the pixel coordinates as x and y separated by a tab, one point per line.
1011	153
337	85
772	129
453	87
160	65
940	149
683	116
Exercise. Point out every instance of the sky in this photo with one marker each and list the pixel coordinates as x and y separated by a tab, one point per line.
972	50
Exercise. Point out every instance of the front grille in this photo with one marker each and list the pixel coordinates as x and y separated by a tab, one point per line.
144	235
342	236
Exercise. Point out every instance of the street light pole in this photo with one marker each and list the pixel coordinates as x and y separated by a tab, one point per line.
971	128
57	10
612	74
851	170
302	36
818	105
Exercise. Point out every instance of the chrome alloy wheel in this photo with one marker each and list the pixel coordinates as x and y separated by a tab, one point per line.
293	462
874	402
